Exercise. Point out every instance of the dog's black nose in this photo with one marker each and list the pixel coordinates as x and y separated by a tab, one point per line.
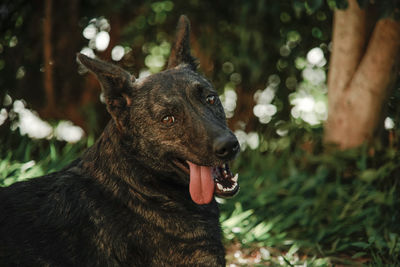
226	147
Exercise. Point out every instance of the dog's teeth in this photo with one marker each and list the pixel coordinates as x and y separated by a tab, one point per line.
235	179
220	187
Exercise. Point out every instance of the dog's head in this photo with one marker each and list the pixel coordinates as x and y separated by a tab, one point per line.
173	120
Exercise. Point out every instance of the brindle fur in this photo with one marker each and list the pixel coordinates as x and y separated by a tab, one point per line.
123	202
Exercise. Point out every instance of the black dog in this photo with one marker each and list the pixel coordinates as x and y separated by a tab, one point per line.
143	194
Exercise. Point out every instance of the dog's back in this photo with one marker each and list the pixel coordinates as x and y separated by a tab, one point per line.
143	194
40	220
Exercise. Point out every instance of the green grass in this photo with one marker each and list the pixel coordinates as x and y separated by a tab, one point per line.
294	208
341	207
24	158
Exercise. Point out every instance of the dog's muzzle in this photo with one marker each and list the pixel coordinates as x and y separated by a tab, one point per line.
226	147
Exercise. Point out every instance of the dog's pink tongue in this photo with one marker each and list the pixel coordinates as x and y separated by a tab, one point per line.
201	185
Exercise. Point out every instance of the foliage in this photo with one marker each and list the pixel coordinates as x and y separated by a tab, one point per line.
384	8
256	39
342	205
238	43
24	158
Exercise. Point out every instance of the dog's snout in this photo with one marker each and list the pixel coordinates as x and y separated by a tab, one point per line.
226	148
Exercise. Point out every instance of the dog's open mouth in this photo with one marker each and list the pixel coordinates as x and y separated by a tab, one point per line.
207	181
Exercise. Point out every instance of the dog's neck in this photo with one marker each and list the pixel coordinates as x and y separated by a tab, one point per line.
110	161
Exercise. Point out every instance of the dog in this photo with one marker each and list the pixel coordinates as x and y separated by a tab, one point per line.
143	194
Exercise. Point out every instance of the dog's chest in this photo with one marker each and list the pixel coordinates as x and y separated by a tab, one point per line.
151	237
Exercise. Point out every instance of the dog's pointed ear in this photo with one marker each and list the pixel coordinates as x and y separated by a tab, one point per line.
180	52
114	80
116	84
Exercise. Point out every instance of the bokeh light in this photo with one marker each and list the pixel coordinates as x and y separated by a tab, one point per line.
67	131
310	98
88	52
228	100
29	123
247	140
158	55
102	40
3	115
316	57
90	32
389	123
264	110
117	53
97	33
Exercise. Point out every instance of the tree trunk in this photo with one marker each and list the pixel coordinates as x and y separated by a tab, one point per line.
48	57
361	73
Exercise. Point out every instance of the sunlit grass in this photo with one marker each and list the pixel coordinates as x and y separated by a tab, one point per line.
337	208
23	158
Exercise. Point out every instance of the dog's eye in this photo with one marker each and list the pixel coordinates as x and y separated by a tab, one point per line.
211	99
168	120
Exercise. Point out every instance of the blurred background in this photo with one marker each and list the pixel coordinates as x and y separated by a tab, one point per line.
300	203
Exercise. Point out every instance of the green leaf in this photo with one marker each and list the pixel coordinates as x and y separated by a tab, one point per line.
313	5
358	255
298	7
369	175
362	245
261	229
342	4
235	220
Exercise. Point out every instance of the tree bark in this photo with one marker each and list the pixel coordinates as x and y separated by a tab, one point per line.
359	79
348	44
48	57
